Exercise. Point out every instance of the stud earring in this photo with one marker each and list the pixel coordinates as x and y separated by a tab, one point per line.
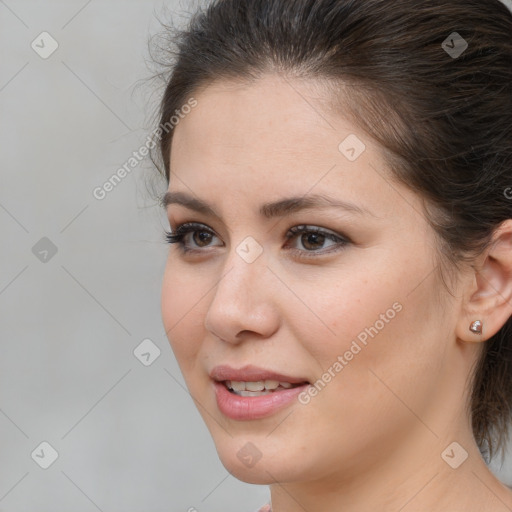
476	327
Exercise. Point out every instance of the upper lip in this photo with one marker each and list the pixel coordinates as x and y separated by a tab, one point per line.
251	373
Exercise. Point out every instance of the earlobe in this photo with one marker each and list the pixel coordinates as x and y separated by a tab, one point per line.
489	301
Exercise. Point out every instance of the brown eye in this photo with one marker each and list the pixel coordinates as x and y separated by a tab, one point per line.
201	237
312	240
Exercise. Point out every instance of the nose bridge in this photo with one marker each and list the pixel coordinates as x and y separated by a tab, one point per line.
244	268
242	298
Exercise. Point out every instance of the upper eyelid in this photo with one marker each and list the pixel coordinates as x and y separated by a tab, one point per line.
196	226
339	240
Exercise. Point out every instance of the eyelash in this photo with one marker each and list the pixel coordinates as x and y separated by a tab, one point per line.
177	237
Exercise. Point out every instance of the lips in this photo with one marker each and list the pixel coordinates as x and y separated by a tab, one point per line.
252	373
235	399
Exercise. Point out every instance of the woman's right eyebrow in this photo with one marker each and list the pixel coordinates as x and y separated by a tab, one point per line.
280	208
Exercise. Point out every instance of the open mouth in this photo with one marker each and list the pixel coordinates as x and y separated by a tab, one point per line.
259	388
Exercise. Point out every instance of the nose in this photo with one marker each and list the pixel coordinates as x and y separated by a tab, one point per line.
244	302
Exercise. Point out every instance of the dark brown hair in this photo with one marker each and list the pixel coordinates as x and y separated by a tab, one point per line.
444	120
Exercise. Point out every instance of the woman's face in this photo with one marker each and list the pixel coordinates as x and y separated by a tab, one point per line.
359	313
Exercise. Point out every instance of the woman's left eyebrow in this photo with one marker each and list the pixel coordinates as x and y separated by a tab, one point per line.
280	208
291	205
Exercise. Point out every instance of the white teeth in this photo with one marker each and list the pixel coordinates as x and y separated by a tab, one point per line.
236	386
271	384
253	393
251	388
255	386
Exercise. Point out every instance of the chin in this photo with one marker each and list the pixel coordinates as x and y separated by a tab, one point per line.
257	475
261	473
255	462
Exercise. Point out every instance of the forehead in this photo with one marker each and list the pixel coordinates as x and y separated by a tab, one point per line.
273	113
273	138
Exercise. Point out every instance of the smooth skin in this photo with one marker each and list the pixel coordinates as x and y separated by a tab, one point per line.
373	437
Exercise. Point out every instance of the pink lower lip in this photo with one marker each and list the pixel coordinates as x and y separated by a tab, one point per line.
253	407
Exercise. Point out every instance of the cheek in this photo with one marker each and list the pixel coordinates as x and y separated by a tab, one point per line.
182	313
373	365
369	318
386	342
339	307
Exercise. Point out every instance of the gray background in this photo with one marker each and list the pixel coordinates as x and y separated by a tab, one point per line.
128	436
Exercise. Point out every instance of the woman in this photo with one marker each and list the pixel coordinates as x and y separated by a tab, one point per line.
339	289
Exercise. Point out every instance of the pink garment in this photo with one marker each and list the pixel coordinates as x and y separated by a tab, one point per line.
265	508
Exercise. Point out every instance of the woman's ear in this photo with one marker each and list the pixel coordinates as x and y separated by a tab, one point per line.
489	295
